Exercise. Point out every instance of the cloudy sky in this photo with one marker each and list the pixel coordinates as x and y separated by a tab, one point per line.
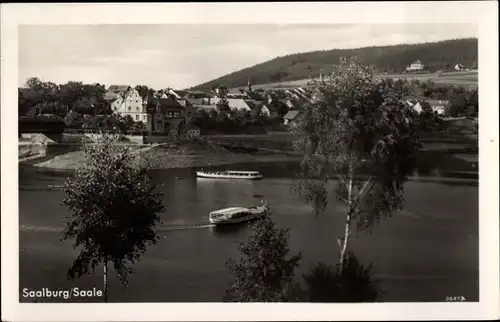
182	56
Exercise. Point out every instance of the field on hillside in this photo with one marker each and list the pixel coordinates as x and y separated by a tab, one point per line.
468	78
290	69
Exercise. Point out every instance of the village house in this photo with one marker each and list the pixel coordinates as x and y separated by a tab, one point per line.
237	93
288	103
208	108
415	105
258	108
415	66
199	98
296	94
177	93
291	118
234	103
167	116
276	105
439	106
189	108
126	100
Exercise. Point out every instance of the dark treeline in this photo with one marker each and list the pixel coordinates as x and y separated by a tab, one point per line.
443	55
49	98
80	106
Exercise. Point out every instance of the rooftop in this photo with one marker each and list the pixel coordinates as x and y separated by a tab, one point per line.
118	88
291	115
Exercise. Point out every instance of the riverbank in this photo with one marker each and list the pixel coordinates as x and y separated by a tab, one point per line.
159	156
456	149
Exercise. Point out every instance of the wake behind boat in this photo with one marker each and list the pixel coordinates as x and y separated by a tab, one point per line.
234	215
248	175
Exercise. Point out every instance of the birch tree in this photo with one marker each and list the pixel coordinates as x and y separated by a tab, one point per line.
113	211
266	268
358	131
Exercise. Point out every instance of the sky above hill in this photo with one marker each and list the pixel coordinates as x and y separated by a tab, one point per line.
182	56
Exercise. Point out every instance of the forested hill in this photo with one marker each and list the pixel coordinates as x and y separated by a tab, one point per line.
443	55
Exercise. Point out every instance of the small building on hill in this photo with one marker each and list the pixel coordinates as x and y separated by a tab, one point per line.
415	66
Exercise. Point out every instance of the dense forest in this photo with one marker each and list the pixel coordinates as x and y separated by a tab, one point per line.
443	55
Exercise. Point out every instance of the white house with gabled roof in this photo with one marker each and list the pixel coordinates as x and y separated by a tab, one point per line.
126	100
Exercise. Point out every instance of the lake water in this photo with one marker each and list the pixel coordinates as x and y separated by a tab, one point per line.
424	253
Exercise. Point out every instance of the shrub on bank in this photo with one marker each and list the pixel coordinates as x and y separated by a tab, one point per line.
353	284
265	273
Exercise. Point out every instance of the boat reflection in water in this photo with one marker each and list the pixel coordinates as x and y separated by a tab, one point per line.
229	231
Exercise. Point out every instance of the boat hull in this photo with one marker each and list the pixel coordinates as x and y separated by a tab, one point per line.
208	175
232	221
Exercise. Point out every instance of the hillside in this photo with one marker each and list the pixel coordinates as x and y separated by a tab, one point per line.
441	55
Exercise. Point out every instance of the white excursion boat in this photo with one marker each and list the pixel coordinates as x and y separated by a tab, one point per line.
234	215
249	175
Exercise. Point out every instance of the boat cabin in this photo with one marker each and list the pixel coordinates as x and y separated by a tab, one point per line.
236	173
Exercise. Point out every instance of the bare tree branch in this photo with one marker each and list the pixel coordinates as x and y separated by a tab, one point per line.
363	188
342	179
342	198
358	197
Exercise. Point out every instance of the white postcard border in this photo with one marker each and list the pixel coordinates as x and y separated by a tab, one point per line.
484	14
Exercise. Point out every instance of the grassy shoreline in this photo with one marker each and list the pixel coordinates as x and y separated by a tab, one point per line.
455	150
160	158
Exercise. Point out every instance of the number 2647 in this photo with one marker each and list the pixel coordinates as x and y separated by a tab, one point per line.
455	298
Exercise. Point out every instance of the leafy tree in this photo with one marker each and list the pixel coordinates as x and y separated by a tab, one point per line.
265	272
71	92
73	119
34	83
84	105
113	210
472	111
128	122
223	106
360	131
427	119
457	106
213	114
353	284
52	107
145	91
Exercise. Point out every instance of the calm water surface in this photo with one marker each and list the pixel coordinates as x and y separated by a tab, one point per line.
425	253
